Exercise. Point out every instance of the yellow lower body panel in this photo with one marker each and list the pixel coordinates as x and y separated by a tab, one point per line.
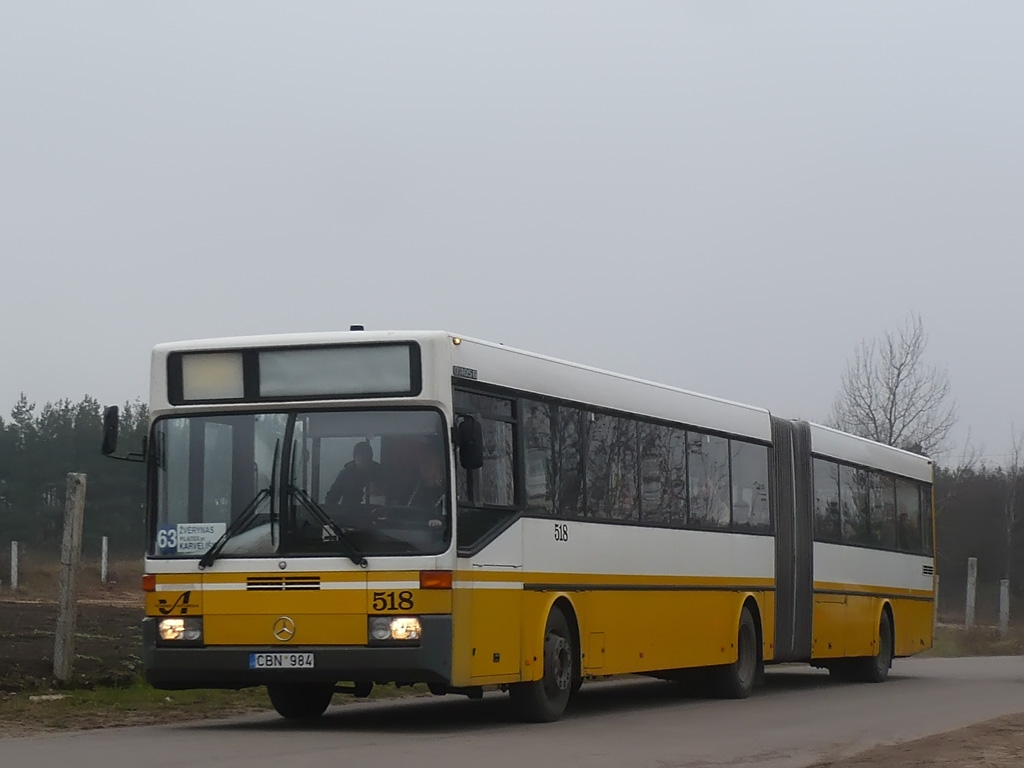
914	622
846	625
636	631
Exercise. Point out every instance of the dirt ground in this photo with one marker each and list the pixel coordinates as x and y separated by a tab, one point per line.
996	743
107	642
107	651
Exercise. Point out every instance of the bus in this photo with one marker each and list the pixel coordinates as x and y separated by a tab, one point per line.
328	512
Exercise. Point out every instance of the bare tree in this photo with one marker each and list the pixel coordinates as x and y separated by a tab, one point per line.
890	394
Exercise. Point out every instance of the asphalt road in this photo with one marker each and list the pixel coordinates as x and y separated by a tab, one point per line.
797	718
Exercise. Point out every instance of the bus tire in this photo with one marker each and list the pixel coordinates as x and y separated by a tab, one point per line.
875	669
544	700
577	683
736	680
300	702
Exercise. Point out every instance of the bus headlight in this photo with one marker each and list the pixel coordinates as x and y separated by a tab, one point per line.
187	630
395	628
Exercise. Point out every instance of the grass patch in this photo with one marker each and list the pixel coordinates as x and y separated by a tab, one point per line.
136	704
140	704
978	641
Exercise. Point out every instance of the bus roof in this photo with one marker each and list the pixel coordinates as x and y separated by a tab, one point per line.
560	379
297	340
843	446
529	372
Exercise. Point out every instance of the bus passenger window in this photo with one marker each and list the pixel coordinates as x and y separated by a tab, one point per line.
611	469
536	428
662	475
708	459
568	461
908	516
826	501
853	496
750	510
883	511
926	519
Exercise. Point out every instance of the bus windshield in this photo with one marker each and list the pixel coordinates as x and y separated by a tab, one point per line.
332	483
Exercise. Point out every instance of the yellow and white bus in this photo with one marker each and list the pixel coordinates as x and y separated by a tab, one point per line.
332	511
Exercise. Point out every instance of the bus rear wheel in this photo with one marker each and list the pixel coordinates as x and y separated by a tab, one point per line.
736	681
544	700
875	669
300	702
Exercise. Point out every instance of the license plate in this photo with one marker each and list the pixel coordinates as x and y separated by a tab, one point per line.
280	661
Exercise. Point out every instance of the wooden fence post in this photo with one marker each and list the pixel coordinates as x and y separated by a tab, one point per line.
70	553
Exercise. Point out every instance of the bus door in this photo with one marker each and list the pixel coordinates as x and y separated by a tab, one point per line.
493	605
489	578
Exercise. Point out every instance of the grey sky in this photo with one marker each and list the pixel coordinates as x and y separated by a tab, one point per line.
722	196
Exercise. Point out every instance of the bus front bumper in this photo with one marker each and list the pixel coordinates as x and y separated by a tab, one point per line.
178	668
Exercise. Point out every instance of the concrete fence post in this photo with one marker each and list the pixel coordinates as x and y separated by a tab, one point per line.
1004	607
103	562
972	590
14	565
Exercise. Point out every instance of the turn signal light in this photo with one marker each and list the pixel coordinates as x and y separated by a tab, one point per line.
148	582
435	579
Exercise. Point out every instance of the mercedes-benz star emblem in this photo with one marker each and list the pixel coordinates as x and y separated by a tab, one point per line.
284	629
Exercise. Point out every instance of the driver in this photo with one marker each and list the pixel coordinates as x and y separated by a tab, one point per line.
358	479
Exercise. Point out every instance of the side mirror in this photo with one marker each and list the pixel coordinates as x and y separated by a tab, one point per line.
471	443
111	419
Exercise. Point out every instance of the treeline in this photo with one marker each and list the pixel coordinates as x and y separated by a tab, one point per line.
978	509
39	447
980	513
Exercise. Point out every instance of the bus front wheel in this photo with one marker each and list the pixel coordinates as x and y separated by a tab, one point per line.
544	700
300	702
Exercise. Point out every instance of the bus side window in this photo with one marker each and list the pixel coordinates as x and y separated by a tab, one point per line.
536	435
853	497
569	434
708	468
926	520
750	510
611	469
826	501
883	511
908	516
662	475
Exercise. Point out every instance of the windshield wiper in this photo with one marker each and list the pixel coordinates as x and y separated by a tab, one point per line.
325	520
236	526
245	517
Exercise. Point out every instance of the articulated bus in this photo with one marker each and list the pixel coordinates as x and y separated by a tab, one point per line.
329	512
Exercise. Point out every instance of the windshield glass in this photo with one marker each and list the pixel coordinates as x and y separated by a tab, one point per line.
332	483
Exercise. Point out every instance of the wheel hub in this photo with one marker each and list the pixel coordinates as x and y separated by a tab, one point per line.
559	660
